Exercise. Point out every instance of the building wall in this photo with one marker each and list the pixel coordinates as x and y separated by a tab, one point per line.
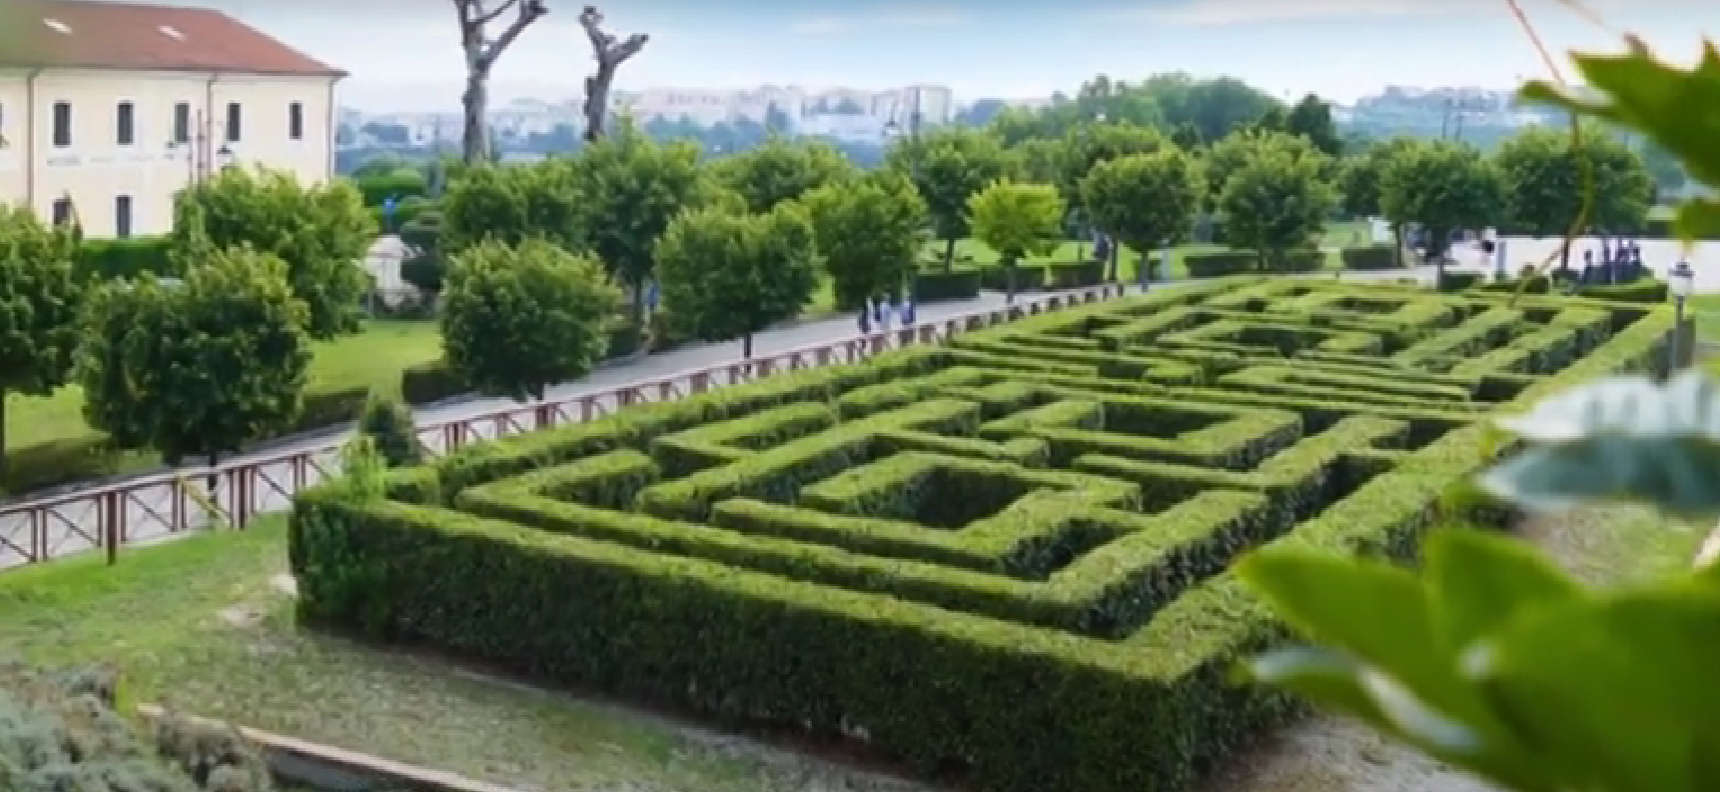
94	170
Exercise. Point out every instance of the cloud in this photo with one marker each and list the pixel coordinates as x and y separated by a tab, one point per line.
1212	13
885	18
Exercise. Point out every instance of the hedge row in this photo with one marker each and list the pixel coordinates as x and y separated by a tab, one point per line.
1372	257
744	621
1219	263
108	259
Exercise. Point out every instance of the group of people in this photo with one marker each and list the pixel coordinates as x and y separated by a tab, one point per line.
1621	263
879	311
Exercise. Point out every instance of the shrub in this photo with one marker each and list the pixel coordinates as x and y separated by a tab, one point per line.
1074	275
389	425
1458	281
430	382
1027	276
107	259
330	407
400	184
1371	257
1646	290
1219	263
955	285
1298	259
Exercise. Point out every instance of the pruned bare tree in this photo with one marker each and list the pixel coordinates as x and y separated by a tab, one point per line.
609	54
481	55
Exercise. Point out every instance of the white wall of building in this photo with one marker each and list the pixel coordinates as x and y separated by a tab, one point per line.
95	169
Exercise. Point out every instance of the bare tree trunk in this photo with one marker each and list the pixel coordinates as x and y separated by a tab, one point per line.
476	102
746	346
949	254
481	55
609	54
1397	250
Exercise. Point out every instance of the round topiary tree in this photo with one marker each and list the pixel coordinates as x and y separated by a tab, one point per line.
516	320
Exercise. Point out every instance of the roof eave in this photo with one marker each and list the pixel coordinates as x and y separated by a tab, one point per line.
329	73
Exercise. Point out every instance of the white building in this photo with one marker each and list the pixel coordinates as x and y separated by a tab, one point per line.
107	110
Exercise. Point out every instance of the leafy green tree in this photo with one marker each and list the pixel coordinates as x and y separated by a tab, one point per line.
946	167
1543	173
1037	160
201	368
425	263
322	233
39	301
781	170
631	187
1089	145
727	274
517	319
1145	200
1359	176
869	234
1215	107
1017	220
1227	155
1278	199
511	204
1312	118
1444	187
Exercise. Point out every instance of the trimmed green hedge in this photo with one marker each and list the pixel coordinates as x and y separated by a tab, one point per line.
879	551
1070	275
1646	290
1220	263
430	382
955	285
1371	257
1028	277
1458	281
107	259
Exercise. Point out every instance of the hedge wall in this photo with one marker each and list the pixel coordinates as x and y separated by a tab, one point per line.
1227	262
955	285
1372	257
1004	562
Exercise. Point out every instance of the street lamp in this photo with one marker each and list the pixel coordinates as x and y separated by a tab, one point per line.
1681	281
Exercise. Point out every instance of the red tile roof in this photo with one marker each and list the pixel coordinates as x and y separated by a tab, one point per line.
109	35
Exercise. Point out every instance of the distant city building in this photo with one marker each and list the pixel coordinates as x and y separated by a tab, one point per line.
109	109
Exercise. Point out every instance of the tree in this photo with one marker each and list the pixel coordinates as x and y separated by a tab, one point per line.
781	170
1214	107
1143	200
1016	220
513	203
1091	144
946	167
1359	178
630	188
201	368
1312	118
321	232
869	234
39	301
519	318
1443	186
482	52
424	264
727	274
1038	160
610	54
1543	174
1278	199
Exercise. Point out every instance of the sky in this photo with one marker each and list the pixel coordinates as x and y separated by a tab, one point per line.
404	54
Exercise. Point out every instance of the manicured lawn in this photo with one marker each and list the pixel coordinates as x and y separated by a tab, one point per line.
54	425
198	624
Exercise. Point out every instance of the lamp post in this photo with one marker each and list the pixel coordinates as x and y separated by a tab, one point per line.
1681	281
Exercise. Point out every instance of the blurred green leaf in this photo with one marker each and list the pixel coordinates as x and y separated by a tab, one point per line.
1479	581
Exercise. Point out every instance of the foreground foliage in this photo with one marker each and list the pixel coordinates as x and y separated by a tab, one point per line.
39	302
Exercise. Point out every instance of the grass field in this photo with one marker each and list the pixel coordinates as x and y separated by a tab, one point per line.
372	358
198	624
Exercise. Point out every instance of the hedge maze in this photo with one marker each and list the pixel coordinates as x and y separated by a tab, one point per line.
1003	561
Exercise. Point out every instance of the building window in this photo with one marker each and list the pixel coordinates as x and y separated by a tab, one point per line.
62	211
62	124
124	118
233	119
122	217
182	122
296	121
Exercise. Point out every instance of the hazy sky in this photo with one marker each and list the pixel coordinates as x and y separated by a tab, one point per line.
404	54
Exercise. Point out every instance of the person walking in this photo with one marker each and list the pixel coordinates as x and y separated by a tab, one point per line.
884	314
907	312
